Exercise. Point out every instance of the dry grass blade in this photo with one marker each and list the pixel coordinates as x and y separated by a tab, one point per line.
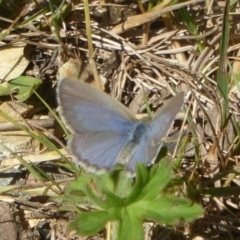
140	19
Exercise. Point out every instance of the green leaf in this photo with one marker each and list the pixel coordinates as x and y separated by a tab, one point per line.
168	210
23	86
160	176
112	200
105	182
142	178
189	21
96	199
77	186
130	226
89	223
4	89
191	25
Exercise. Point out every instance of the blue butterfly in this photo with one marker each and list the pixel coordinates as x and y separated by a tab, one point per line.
105	133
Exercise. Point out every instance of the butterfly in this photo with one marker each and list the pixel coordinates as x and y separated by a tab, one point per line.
105	133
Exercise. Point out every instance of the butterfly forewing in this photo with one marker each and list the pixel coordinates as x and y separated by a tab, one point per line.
85	109
164	117
100	125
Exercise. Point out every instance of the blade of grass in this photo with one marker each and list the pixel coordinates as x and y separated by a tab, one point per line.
36	135
54	115
191	25
222	76
32	168
90	45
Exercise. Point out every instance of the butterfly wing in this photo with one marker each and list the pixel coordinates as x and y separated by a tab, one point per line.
97	151
161	123
150	143
100	125
86	109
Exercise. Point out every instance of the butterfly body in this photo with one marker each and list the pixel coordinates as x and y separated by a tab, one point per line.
105	133
138	135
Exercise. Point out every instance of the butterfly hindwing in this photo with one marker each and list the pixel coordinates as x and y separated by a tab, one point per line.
97	151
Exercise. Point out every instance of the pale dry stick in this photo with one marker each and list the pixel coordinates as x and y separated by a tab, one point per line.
164	61
102	4
171	35
140	51
194	110
167	74
121	79
153	80
126	72
44	123
121	82
199	36
146	29
180	57
236	62
212	81
162	35
146	26
41	188
41	33
125	45
175	50
209	4
230	149
157	35
18	37
192	57
141	19
222	206
142	83
206	54
163	79
209	69
157	83
160	77
137	83
35	158
209	99
39	44
90	46
116	78
107	43
161	5
6	19
232	48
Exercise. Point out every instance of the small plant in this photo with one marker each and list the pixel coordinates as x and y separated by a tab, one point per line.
129	202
